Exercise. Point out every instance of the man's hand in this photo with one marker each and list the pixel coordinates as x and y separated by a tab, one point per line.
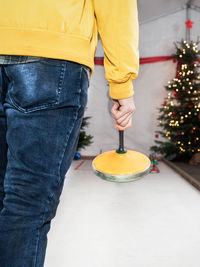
122	112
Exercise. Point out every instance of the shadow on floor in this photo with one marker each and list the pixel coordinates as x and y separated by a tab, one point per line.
194	171
189	172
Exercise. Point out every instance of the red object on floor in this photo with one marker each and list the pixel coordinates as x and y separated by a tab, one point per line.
154	170
79	165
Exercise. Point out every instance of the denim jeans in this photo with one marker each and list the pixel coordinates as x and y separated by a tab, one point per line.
41	110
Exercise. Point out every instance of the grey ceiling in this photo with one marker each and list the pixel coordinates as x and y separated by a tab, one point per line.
149	9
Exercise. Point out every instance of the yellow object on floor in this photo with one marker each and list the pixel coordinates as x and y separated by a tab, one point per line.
124	167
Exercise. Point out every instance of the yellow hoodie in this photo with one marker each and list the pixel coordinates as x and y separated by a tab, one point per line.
68	29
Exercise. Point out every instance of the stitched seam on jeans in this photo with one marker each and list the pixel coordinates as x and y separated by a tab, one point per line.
36	247
61	80
63	152
70	132
66	142
88	71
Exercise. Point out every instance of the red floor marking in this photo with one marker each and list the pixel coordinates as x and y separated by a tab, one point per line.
79	165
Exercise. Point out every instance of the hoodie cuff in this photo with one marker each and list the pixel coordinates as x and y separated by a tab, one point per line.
121	90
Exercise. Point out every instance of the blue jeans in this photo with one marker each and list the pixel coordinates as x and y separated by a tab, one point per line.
41	110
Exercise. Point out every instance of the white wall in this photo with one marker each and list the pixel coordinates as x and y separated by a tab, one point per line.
157	38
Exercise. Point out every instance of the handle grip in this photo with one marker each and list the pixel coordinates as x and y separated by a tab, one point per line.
121	149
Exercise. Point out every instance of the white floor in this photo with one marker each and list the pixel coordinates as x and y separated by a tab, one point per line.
152	222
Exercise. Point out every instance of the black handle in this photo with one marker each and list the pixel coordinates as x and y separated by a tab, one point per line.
121	149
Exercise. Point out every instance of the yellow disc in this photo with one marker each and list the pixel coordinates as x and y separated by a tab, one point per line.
131	162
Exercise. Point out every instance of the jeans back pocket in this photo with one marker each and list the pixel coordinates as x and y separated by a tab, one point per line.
36	85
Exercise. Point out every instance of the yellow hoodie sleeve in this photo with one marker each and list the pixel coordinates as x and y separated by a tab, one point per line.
118	27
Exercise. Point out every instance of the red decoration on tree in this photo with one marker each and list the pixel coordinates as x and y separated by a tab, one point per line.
191	131
189	24
189	106
173	112
178	68
175	94
165	102
179	133
156	135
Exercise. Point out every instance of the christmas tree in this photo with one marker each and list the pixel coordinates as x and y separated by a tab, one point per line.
179	115
84	139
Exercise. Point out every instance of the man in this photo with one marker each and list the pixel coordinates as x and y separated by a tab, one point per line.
47	53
